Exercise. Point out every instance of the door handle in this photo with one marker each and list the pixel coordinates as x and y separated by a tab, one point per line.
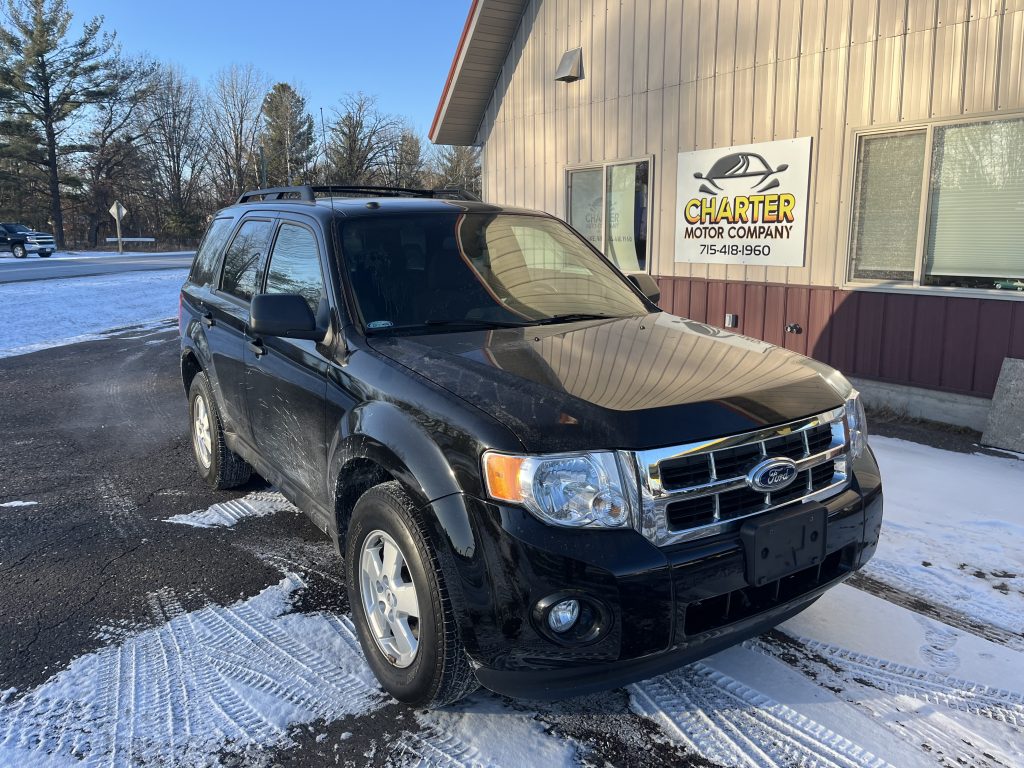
207	319
257	348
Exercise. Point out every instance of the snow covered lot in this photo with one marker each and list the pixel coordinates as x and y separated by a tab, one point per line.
49	313
856	680
918	661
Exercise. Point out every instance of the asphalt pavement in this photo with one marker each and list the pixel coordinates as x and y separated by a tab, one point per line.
34	268
96	435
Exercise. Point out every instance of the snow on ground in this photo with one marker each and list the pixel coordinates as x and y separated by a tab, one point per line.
64	255
953	533
50	313
855	680
220	679
19	504
227	513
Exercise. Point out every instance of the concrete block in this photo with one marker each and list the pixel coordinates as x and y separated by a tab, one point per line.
918	403
1005	427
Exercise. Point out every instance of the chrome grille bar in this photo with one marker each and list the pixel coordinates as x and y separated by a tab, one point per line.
655	498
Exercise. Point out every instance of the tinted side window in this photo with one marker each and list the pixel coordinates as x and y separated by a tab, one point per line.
295	265
204	268
243	259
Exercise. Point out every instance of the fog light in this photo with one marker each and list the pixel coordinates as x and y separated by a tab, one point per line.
563	615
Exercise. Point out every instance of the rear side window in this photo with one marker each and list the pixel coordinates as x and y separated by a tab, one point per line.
244	257
295	265
204	268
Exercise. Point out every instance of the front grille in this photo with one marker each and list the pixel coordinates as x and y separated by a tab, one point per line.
722	610
698	489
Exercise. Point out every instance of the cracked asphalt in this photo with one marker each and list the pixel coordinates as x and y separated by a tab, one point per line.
96	434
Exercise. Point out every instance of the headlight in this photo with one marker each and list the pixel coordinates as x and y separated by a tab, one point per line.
576	490
856	424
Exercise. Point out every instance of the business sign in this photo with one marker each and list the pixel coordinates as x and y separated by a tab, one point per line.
745	204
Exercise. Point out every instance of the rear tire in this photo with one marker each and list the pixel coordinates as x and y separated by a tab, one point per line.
18	251
219	466
439	672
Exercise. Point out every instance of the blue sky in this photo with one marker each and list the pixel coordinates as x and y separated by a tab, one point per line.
398	50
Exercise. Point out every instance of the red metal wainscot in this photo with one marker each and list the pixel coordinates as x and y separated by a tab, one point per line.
951	343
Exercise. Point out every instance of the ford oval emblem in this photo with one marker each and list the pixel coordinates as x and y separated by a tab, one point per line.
772	475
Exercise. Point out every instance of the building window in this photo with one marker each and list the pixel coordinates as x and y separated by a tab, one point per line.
887	206
608	205
972	211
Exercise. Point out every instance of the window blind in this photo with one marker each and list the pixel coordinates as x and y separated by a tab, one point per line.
887	206
976	201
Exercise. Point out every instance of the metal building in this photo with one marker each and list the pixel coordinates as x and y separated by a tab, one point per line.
846	178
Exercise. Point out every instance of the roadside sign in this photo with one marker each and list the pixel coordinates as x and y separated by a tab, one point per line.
118	211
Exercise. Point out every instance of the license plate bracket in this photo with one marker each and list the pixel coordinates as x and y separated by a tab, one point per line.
785	542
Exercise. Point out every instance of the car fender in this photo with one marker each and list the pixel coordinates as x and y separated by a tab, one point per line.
391	438
193	343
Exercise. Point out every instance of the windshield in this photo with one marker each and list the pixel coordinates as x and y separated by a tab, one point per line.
17	228
424	271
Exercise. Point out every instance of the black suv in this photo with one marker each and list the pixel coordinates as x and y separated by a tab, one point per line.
538	480
21	240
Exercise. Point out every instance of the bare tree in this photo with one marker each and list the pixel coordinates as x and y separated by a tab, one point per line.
48	78
361	138
112	166
174	119
235	106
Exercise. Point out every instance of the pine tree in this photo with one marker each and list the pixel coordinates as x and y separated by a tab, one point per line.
403	164
47	78
288	138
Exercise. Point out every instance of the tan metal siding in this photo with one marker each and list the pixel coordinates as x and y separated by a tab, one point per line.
664	76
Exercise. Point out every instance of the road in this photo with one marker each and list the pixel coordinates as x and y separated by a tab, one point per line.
33	268
126	639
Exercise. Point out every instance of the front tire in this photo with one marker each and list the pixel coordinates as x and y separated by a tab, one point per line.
400	604
18	251
220	467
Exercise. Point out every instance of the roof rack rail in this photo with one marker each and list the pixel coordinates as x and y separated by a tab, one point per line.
363	190
304	192
308	193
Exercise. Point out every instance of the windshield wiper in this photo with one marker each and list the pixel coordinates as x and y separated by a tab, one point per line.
571	317
478	323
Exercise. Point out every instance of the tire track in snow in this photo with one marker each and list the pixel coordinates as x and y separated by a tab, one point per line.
226	514
997	704
894	583
956	721
223	678
730	723
437	749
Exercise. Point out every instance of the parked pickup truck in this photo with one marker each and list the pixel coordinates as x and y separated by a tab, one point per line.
21	240
538	480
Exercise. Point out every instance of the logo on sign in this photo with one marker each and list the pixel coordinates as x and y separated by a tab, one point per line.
772	475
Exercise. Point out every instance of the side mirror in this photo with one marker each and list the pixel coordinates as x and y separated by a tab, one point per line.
646	284
283	314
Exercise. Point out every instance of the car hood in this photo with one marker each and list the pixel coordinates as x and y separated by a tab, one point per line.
629	383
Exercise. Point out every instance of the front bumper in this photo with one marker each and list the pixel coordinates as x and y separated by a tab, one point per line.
656	608
38	248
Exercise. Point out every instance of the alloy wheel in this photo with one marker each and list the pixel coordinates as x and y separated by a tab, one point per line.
389	599
202	431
